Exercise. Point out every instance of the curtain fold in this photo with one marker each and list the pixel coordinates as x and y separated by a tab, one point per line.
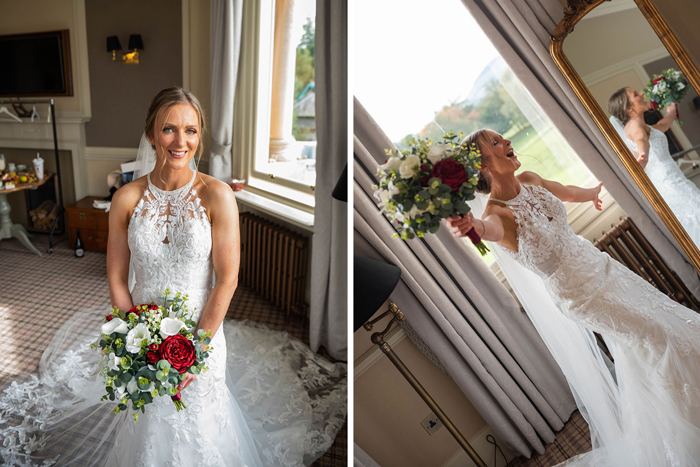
458	307
328	309
225	51
520	31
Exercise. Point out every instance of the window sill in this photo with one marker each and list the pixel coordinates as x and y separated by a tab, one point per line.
289	214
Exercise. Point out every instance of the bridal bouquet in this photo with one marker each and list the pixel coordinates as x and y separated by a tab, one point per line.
427	183
147	351
666	88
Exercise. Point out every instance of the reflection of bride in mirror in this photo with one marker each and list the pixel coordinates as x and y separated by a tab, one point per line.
650	146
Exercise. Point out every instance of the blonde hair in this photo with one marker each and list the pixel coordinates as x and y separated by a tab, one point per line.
164	101
618	105
476	138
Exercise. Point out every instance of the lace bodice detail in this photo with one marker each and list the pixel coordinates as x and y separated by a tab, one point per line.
170	244
542	230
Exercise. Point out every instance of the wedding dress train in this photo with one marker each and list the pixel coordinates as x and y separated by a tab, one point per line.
646	411
266	399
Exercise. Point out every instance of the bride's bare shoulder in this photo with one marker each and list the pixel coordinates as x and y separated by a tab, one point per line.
128	196
215	195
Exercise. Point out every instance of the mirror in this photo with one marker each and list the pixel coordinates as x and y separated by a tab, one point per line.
616	44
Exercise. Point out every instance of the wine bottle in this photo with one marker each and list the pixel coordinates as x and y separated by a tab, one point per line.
79	251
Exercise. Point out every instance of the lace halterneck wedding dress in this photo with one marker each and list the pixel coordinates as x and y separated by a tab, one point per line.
281	407
649	416
681	194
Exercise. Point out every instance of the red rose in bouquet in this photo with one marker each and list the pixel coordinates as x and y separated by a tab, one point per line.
179	352
451	172
153	355
654	105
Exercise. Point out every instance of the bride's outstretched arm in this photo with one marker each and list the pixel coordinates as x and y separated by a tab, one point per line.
568	193
118	254
637	132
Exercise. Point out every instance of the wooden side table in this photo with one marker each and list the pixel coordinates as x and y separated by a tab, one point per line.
7	228
93	224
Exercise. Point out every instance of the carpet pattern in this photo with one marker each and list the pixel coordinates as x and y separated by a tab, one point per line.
38	294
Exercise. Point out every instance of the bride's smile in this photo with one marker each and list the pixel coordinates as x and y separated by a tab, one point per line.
179	136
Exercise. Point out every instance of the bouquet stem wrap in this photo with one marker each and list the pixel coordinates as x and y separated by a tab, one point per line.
177	399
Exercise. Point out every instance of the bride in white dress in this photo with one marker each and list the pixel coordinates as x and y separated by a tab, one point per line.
178	228
644	411
627	107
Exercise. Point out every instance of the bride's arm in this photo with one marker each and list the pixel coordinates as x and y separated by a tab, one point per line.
118	254
489	228
637	133
665	123
568	193
225	252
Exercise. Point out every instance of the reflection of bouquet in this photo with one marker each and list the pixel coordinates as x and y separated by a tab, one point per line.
147	350
666	88
427	183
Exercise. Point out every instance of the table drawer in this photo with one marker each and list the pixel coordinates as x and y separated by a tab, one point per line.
81	219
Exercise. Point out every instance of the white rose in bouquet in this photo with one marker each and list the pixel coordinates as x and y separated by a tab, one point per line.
139	334
170	327
393	163
409	167
436	152
116	325
415	211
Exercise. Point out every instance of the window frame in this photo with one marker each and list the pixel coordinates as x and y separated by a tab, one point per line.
252	110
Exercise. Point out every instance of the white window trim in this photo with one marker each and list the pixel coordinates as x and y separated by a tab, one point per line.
252	128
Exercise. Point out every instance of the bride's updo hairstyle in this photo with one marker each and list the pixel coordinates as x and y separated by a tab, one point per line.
619	104
165	100
478	138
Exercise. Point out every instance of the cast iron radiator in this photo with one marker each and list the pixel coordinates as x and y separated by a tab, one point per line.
274	262
626	244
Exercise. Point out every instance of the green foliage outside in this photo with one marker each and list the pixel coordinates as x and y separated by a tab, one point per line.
304	75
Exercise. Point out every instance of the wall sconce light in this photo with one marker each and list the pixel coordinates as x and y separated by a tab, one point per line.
135	44
113	45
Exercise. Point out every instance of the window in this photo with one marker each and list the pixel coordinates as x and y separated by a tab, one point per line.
276	85
449	78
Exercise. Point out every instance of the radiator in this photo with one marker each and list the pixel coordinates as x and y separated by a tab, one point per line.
274	262
626	244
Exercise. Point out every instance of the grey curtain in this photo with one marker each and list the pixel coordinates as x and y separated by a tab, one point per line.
225	50
328	313
520	31
463	313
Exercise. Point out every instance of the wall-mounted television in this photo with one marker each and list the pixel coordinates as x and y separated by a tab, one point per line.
36	65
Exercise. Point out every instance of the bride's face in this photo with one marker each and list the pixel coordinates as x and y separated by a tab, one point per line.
637	101
500	157
179	135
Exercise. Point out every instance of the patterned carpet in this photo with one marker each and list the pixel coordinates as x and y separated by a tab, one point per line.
573	439
42	292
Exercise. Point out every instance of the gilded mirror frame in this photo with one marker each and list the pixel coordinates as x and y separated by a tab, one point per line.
573	13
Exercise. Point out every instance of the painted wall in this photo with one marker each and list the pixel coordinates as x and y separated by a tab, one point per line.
121	94
388	411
